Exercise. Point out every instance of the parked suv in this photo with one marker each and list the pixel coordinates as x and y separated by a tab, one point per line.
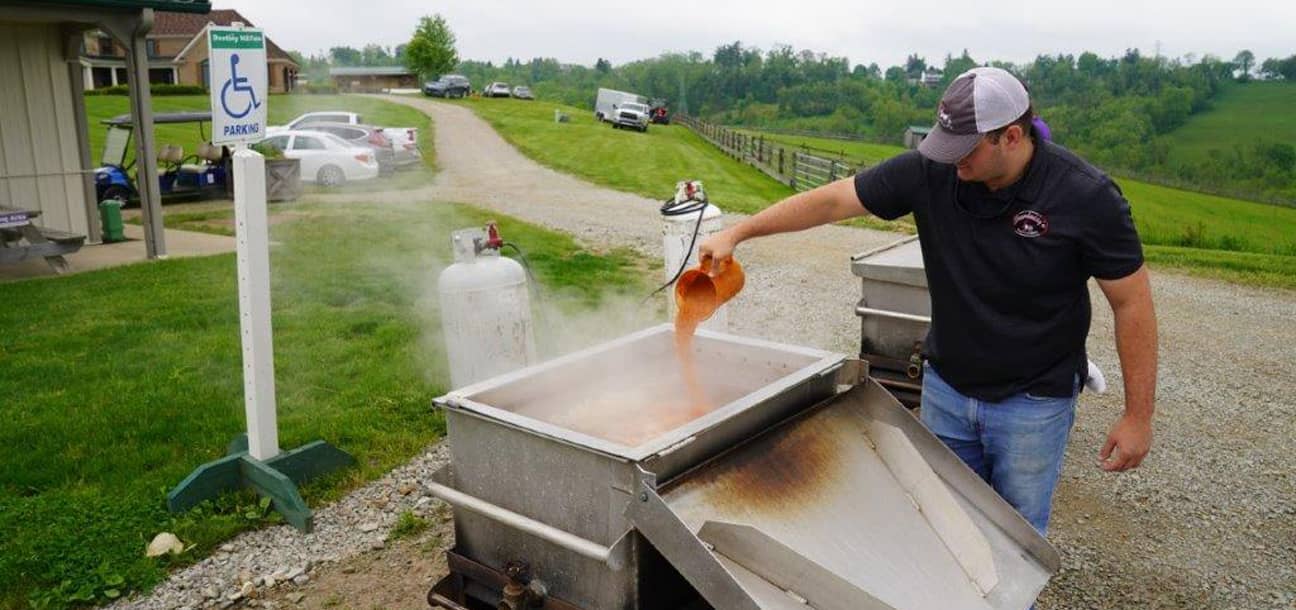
497	89
631	114
450	85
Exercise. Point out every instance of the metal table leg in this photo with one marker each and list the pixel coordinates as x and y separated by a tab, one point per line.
33	235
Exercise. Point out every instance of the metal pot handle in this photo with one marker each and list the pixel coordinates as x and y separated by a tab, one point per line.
863	311
562	538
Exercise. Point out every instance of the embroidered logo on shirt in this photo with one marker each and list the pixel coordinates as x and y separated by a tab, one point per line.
1030	223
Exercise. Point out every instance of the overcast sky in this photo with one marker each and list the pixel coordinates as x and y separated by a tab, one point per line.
880	31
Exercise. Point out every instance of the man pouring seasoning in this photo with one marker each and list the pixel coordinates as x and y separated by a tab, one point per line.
1012	227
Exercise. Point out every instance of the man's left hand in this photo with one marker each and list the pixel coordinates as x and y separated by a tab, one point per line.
1127	444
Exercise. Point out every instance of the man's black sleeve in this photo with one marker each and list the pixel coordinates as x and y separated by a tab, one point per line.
1110	247
887	190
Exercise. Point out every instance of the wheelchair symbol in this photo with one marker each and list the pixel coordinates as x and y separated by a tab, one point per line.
239	84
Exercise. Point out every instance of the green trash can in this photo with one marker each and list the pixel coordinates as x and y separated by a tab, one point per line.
110	219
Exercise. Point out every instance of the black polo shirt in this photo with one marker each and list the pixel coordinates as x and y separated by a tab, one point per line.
1007	269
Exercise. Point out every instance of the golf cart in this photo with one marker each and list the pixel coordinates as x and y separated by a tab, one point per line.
658	113
196	176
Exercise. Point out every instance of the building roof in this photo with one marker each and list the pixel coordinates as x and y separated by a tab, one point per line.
921	130
370	71
160	118
192	24
183	6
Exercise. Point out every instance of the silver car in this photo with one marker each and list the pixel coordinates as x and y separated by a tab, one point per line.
363	135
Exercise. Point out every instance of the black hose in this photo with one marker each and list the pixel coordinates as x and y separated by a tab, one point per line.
533	285
526	266
670	208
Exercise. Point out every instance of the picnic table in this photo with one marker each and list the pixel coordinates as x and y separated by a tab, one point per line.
21	239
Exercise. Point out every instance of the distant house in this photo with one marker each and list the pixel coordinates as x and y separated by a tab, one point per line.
929	77
373	79
177	53
915	134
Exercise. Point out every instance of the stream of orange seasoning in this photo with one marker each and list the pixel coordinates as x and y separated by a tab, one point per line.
691	314
698	296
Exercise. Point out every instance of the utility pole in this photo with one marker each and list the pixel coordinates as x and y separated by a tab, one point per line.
683	96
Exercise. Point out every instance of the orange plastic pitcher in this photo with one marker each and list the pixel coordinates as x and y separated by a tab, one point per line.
699	295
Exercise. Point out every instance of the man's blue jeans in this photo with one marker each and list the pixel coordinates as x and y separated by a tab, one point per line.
1016	445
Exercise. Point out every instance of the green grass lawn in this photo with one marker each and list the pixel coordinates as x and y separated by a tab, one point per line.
1241	267
1242	114
282	108
1167	216
647	164
124	380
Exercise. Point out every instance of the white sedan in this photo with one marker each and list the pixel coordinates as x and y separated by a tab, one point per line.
325	158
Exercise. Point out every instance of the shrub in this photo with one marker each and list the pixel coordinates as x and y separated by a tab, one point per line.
159	90
1194	236
178	90
319	88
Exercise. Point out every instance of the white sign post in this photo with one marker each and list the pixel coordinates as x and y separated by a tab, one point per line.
252	234
238	103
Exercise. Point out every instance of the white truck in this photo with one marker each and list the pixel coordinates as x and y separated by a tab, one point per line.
404	139
622	109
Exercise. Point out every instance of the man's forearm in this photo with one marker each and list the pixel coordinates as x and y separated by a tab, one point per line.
1136	343
829	203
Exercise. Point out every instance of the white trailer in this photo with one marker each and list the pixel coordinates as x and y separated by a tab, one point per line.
609	99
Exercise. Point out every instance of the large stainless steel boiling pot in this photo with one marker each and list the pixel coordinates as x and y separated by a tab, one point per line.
802	484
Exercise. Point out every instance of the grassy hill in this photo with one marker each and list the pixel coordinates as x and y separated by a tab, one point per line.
1165	216
647	164
1242	114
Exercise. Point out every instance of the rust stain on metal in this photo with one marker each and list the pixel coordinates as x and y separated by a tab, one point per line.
783	472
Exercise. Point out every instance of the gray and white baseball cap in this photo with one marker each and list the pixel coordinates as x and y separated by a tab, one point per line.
979	101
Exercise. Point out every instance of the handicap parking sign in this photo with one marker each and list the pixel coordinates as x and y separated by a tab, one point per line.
238	84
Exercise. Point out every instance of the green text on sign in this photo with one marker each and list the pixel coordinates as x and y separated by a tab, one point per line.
237	40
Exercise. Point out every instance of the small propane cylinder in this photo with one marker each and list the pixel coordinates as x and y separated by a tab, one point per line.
485	309
679	220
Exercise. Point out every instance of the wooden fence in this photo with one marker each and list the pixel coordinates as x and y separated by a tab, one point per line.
799	167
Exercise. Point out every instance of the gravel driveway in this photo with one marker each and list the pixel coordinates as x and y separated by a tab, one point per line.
1208	521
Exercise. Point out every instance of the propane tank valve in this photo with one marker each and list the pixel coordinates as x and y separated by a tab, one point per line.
493	239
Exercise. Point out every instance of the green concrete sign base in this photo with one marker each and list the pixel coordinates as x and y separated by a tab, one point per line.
276	478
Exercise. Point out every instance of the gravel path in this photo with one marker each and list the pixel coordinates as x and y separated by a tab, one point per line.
1208	521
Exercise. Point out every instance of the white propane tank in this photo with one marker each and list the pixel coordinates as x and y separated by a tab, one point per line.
679	218
485	309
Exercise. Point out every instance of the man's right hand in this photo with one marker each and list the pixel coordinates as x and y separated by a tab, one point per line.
829	203
717	249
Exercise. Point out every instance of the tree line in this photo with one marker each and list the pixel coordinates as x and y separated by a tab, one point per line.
1113	110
